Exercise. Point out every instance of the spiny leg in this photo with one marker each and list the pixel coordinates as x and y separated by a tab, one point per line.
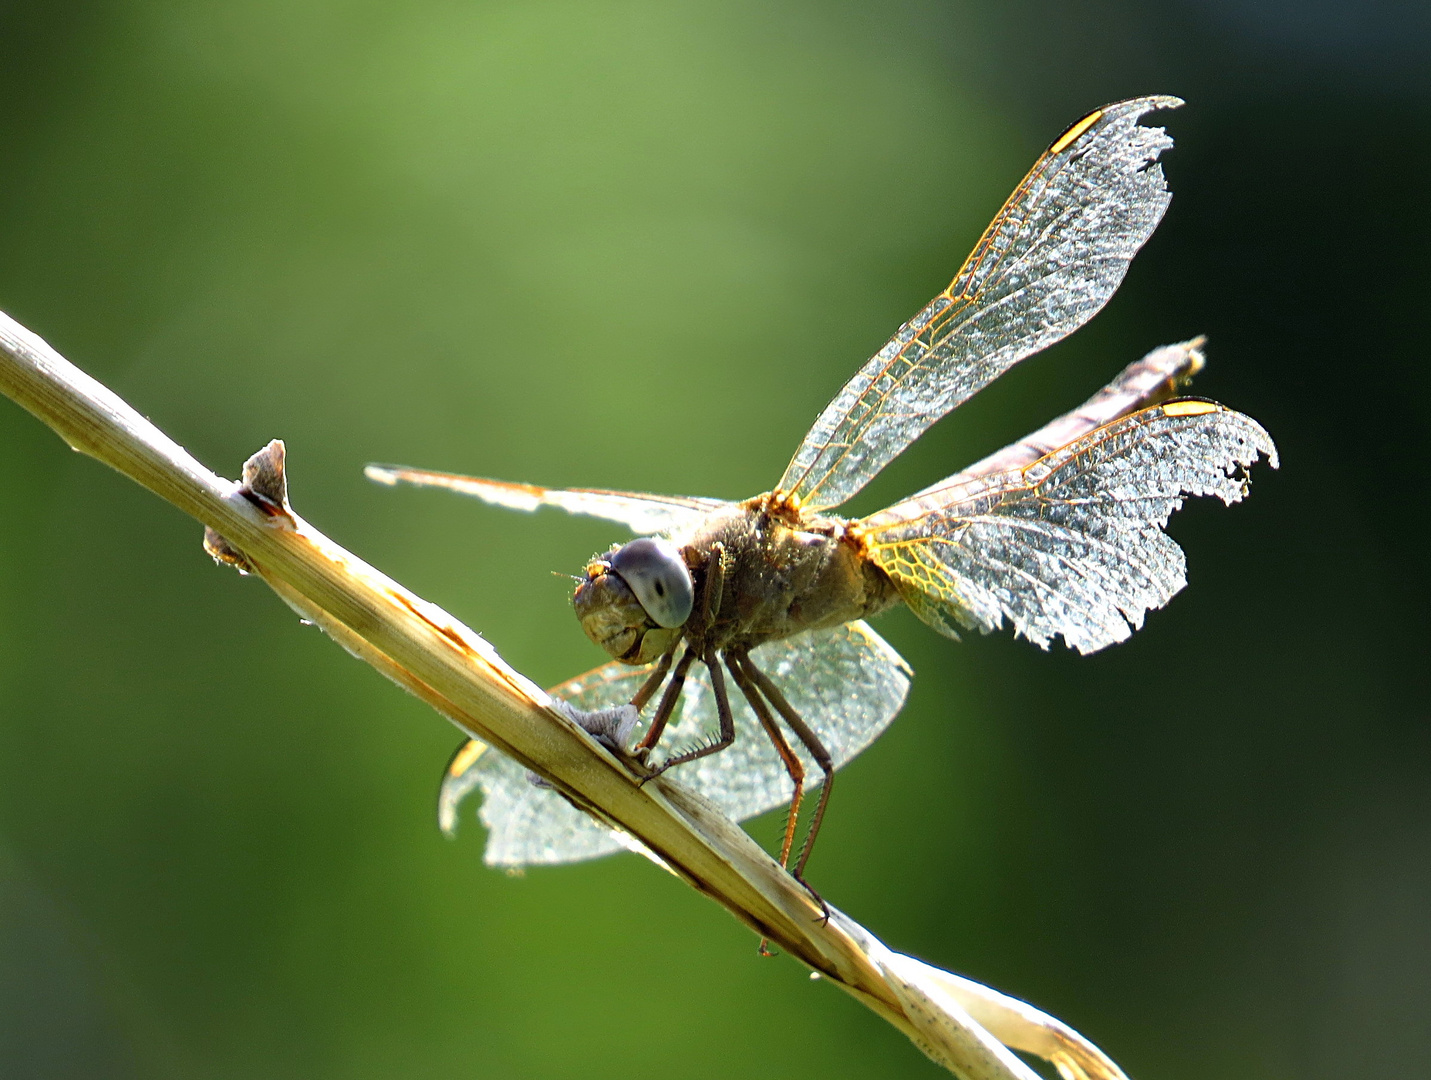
793	765
710	606
812	742
727	720
668	703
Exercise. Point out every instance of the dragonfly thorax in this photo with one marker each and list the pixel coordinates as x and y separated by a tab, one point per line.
750	573
781	574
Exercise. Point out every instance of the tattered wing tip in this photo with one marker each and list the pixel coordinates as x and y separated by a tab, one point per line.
1136	106
1146	104
1261	443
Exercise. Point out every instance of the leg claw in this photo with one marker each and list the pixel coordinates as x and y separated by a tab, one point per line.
824	918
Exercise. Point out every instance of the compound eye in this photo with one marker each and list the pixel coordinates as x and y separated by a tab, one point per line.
657	574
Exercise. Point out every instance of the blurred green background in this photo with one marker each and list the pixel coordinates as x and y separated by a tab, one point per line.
640	245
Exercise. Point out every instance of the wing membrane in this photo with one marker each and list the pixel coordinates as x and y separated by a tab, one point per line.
641	513
1072	544
1050	259
1154	378
846	681
527	824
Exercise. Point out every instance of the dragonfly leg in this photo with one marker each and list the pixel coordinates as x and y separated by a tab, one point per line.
710	605
812	743
793	765
652	684
667	706
727	720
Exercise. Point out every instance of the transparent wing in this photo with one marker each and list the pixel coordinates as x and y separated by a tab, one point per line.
1050	259
1154	378
641	513
529	824
847	682
1071	545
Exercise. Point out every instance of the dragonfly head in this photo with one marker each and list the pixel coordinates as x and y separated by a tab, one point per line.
635	599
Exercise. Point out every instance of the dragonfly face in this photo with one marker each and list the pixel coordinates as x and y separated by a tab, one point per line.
1059	534
635	600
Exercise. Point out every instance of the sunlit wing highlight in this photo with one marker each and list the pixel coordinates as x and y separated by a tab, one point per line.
847	682
1072	544
1156	377
1050	259
642	513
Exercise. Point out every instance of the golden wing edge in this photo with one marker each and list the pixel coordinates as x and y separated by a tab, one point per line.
796	481
642	512
1077	131
1150	380
932	591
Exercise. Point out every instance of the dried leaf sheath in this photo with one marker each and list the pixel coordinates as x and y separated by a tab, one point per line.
1060	539
847	679
454	670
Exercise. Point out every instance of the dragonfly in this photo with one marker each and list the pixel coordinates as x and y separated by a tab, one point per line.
1059	534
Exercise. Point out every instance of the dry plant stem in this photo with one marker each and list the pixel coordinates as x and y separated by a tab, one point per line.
440	660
